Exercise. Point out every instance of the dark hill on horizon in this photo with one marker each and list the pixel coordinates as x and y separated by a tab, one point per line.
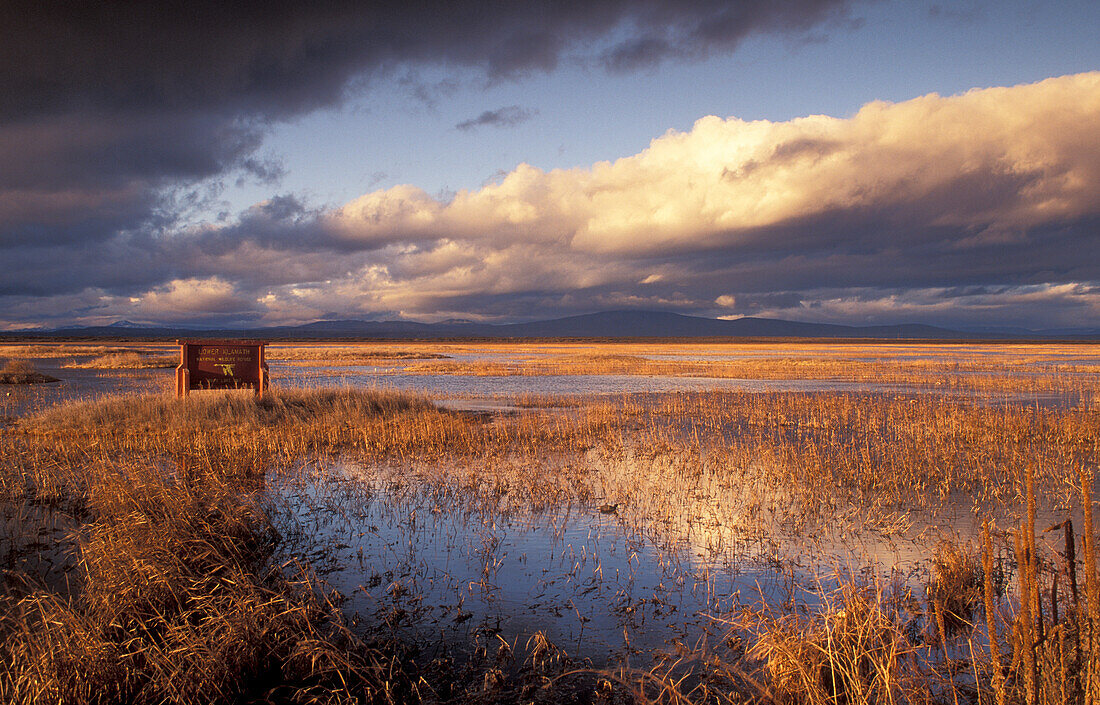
658	324
606	324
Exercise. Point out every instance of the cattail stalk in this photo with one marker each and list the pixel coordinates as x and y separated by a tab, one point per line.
990	616
1090	618
1071	560
1033	558
1025	645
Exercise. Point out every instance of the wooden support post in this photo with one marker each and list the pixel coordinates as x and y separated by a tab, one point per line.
261	373
183	375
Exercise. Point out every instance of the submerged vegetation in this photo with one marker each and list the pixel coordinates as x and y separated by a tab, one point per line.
149	555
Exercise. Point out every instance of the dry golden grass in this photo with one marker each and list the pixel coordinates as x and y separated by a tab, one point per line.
55	350
16	367
1052	634
177	598
855	651
125	361
176	606
1040	647
975	367
882	453
1001	369
363	354
178	601
955	591
820	452
16	371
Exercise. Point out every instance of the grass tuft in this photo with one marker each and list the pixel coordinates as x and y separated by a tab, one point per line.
852	651
955	591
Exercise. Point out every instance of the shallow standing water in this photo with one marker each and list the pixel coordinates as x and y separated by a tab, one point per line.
593	582
600	583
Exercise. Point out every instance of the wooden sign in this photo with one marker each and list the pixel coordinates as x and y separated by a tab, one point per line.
221	364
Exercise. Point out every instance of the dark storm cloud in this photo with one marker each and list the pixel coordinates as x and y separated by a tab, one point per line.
1064	252
662	33
106	108
115	121
507	116
285	57
74	177
637	53
89	150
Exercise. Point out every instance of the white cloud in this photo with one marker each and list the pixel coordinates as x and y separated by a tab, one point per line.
180	299
993	160
880	216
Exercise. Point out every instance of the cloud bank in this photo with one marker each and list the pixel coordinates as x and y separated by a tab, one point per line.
976	209
112	112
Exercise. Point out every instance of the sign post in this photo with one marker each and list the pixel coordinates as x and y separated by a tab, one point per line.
221	364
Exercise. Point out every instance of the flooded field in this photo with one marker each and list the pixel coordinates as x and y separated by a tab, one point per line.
1022	372
670	520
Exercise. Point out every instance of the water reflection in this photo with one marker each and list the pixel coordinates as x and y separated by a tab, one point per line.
583	385
79	384
602	583
592	583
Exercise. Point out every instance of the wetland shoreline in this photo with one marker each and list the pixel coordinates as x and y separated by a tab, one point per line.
354	545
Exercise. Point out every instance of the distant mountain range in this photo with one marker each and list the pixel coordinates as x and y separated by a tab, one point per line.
608	324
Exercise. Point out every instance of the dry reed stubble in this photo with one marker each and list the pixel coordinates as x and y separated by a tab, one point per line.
1052	633
855	650
179	602
868	447
177	606
125	361
955	590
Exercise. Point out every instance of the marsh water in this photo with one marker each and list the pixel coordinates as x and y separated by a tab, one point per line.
597	579
596	582
471	390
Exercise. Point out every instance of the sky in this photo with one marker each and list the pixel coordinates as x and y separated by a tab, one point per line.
232	164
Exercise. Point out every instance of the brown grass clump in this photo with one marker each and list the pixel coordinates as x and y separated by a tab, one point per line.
16	367
178	604
55	350
347	355
279	431
125	361
157	415
16	371
1052	633
955	590
175	597
895	451
1003	369
851	652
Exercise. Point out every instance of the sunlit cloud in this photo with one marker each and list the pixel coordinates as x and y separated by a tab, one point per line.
883	216
979	168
